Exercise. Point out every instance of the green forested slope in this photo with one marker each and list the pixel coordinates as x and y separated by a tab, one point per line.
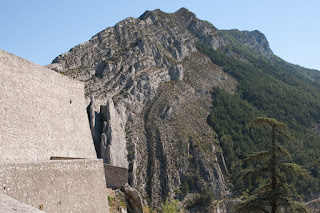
270	87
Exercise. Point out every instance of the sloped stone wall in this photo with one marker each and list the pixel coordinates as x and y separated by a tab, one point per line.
42	113
57	186
10	205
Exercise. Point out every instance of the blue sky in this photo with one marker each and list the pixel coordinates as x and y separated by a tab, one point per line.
40	30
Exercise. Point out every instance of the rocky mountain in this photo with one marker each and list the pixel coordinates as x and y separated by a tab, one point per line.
149	97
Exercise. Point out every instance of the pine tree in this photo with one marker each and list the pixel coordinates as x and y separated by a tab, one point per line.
273	195
185	188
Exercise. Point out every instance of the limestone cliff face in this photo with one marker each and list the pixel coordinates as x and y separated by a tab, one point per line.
254	40
151	98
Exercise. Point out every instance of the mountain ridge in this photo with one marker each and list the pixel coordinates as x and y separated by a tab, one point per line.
151	83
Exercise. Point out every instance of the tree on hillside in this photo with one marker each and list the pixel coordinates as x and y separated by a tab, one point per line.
185	188
273	194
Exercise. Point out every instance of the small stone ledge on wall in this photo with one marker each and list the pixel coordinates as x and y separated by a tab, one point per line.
115	176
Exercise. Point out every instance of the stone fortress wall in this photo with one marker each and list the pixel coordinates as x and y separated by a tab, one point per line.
42	113
57	186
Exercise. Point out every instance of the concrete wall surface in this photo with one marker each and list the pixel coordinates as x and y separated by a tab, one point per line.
115	176
57	186
42	113
10	205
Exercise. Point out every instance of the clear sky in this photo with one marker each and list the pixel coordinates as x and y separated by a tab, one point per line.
40	30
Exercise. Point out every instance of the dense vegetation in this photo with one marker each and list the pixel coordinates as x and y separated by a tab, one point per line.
273	192
272	88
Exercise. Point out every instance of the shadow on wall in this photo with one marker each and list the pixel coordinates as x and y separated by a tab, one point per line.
115	176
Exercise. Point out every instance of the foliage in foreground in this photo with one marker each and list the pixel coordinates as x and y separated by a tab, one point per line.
274	192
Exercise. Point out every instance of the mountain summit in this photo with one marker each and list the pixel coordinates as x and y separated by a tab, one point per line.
153	83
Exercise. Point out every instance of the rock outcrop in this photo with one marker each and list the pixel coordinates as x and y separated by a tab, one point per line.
252	39
151	90
133	199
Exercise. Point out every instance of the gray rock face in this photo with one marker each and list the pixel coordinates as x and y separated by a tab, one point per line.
226	206
133	199
153	87
252	39
113	138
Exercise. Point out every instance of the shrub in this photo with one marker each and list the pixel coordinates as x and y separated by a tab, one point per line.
170	206
203	199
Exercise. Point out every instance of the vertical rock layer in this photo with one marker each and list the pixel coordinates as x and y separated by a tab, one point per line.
153	87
